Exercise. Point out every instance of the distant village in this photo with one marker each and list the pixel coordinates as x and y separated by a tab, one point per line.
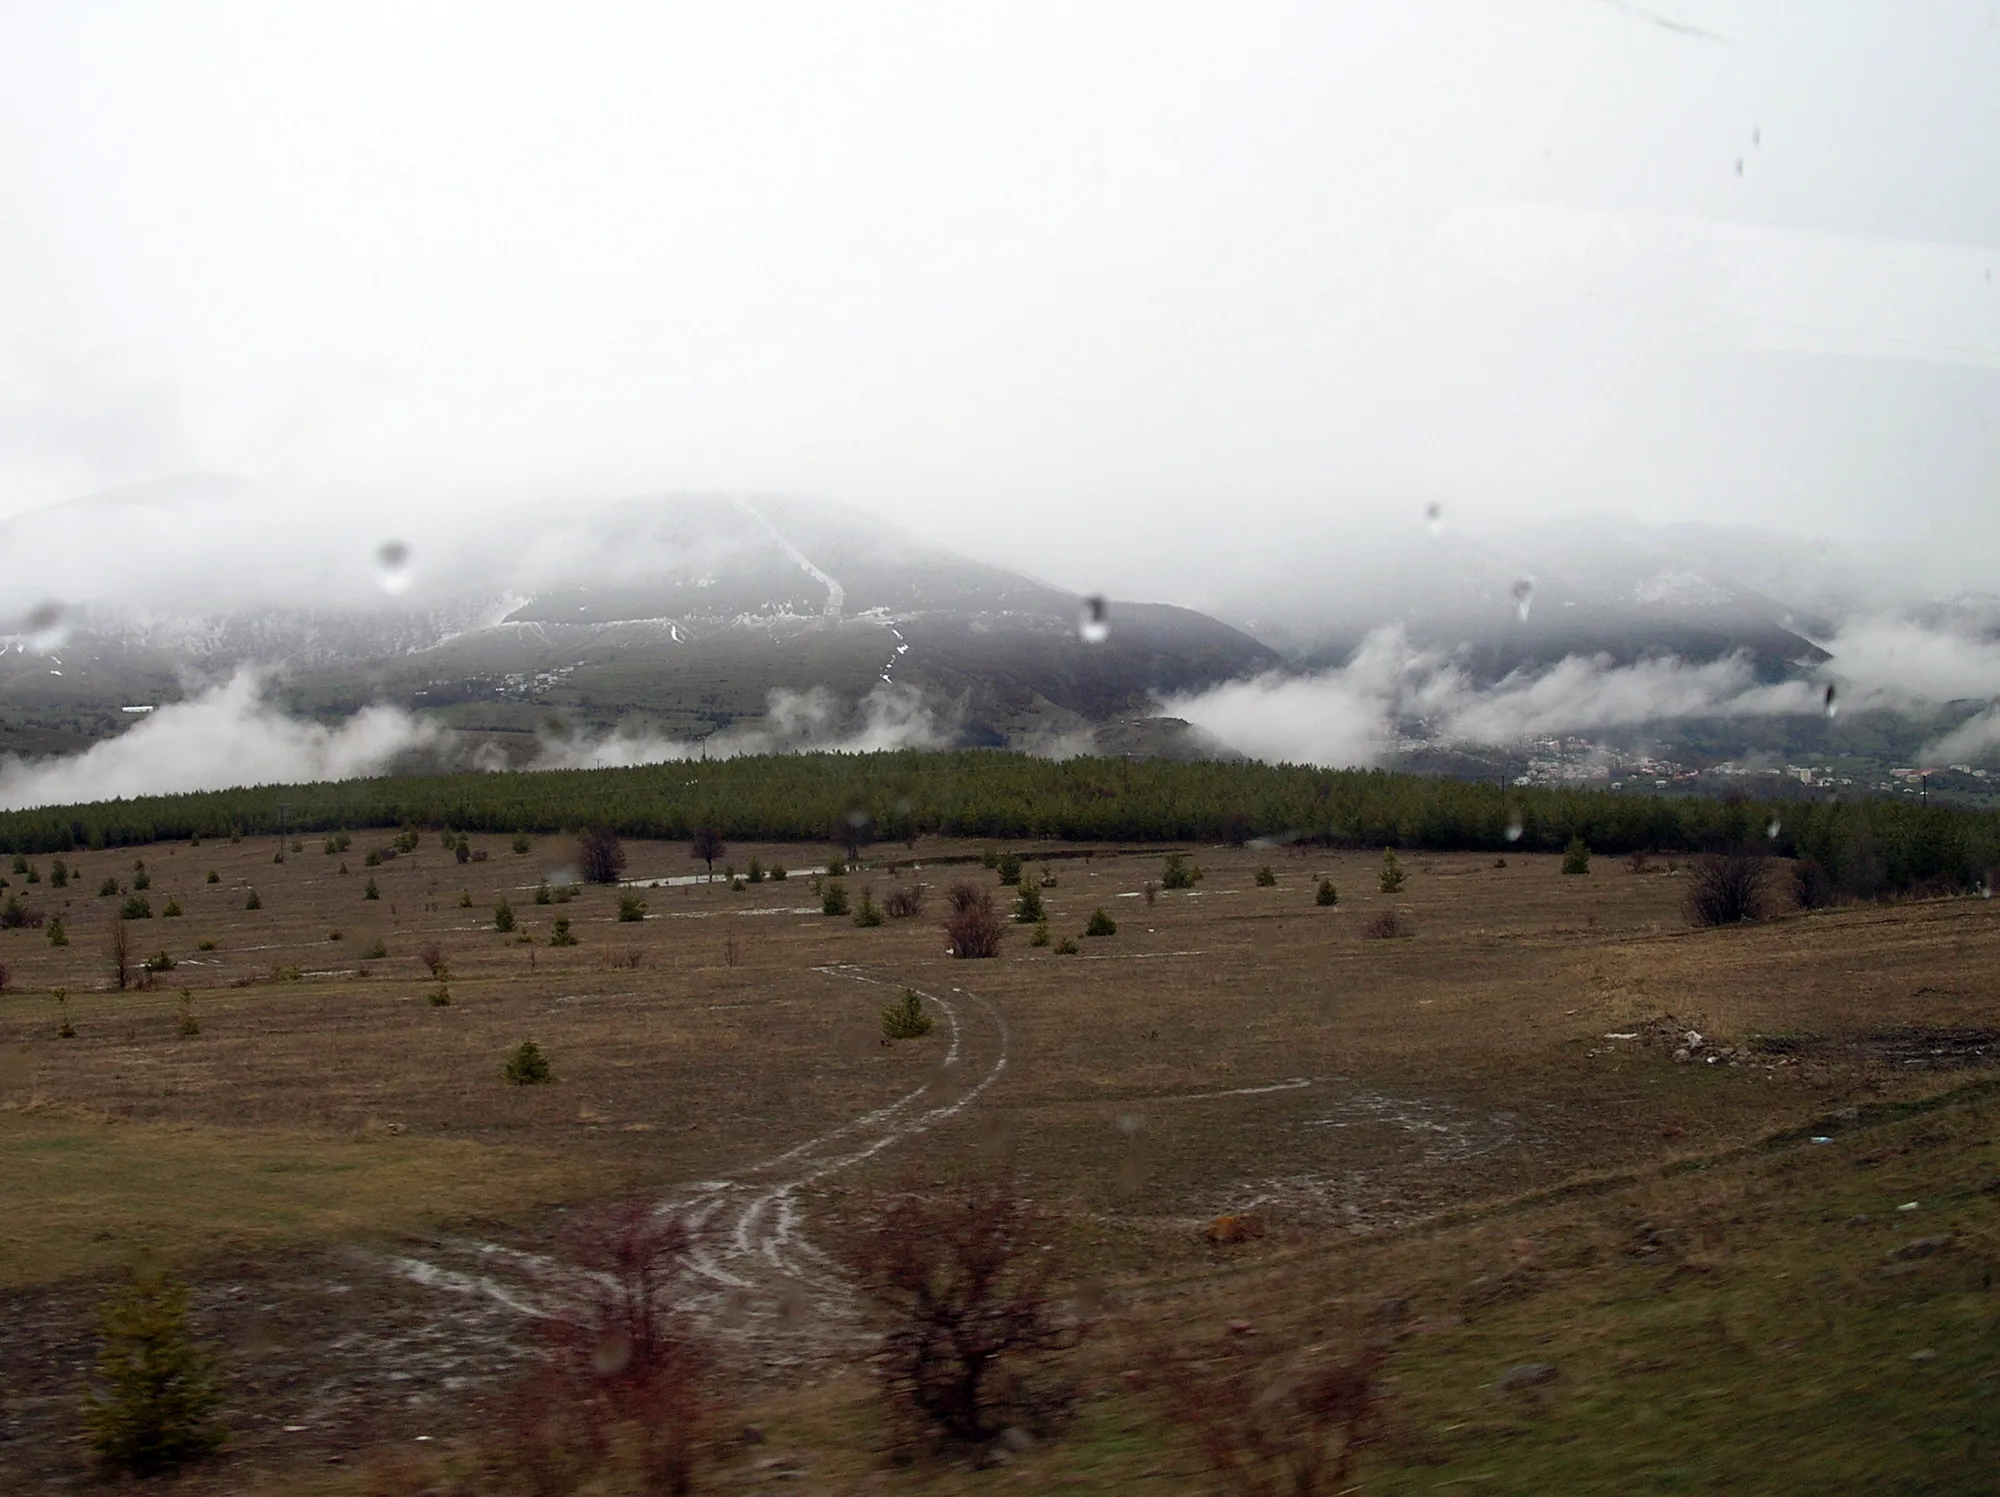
1586	762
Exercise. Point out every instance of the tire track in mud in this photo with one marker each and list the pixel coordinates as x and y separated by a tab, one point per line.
759	1278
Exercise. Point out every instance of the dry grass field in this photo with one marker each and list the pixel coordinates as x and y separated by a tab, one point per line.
1449	1118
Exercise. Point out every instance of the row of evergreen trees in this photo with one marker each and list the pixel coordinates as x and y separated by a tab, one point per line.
1865	845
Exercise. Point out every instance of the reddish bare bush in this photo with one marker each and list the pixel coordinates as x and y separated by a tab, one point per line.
1276	1422
904	902
1386	926
431	954
976	1330
973	925
626	1387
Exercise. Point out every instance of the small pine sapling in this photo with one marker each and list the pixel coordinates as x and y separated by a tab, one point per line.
1328	896
906	1019
1392	872
1267	877
1101	924
527	1066
152	1404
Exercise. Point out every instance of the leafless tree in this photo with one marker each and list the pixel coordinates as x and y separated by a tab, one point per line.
600	856
708	846
118	947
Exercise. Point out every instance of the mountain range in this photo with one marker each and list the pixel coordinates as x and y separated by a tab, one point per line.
685	616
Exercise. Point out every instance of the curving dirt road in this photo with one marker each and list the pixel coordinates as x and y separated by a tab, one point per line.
763	1282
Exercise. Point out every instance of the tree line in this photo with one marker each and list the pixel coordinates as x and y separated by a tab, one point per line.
1865	846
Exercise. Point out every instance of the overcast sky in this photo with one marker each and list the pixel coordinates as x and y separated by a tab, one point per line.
1055	282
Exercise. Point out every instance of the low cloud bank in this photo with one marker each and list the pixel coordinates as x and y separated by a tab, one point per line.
231	736
1351	715
1970	740
795	722
227	736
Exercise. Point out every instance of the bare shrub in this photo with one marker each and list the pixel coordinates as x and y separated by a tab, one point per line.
1273	1421
1386	926
600	856
431	954
1724	888
625	1396
1812	886
976	1329
904	902
1637	862
973	925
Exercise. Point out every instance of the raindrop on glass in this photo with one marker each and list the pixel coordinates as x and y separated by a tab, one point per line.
1773	829
392	567
1093	627
1434	517
1832	705
1514	827
1524	598
47	627
612	1354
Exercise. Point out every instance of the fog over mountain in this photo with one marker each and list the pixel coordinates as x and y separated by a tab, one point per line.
671	626
1414	381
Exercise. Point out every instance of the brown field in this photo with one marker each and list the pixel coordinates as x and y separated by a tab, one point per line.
359	1196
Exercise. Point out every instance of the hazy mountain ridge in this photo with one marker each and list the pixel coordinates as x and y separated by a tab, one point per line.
675	618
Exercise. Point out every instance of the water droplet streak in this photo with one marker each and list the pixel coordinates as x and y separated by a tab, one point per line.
393	573
1093	625
1524	598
